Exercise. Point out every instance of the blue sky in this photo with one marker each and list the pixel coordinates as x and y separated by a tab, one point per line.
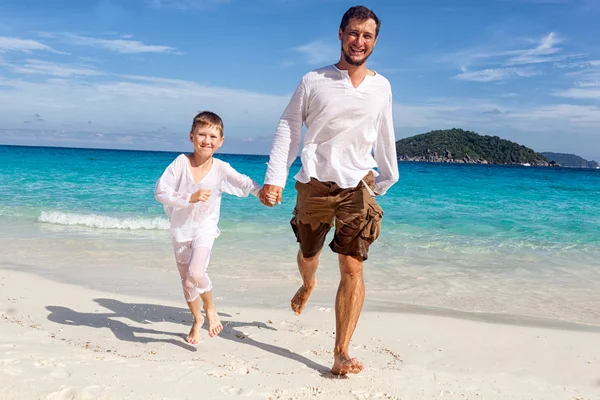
132	73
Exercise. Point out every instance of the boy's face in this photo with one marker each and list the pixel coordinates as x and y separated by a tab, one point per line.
206	140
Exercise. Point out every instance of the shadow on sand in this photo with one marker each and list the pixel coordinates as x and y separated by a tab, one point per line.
147	314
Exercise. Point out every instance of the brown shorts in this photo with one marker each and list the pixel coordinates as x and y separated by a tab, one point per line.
356	214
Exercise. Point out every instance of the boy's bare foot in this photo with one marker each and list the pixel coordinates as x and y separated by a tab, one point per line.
345	365
214	323
301	297
194	336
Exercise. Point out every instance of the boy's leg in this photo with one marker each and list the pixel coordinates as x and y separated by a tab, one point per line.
190	293
198	275
214	322
183	253
194	336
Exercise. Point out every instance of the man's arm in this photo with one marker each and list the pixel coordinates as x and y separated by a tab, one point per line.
285	145
385	152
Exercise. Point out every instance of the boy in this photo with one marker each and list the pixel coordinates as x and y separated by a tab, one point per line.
190	190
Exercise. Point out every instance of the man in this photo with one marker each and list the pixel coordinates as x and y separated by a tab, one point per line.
347	110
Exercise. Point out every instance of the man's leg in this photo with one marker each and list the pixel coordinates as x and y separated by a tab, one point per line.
311	200
308	271
348	305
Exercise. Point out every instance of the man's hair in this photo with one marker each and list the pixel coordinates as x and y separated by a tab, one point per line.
360	13
208	118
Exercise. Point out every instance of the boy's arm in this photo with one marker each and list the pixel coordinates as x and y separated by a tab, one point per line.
239	184
385	152
165	193
287	138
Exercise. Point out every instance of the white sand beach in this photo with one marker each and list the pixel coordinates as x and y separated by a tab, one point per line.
66	341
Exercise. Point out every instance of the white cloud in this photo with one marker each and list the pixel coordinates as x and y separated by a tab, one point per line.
568	118
319	52
544	51
586	84
494	74
130	111
40	67
588	91
118	45
137	106
14	44
554	127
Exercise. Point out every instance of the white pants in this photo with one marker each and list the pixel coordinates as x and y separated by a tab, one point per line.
192	262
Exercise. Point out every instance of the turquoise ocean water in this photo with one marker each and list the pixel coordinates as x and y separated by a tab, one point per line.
516	239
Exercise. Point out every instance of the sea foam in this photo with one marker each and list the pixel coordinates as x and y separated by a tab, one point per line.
102	221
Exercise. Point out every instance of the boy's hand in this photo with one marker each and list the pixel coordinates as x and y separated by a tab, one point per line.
270	194
200	195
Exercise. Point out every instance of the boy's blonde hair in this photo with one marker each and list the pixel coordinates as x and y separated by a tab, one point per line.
208	118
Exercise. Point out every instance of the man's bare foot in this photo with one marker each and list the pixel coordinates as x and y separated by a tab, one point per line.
345	365
214	323
194	336
301	298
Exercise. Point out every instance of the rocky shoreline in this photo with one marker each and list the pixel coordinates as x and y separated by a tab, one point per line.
434	157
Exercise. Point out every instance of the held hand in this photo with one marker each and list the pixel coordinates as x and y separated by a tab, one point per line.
270	194
200	195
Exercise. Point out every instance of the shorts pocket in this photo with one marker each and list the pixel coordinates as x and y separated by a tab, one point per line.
372	227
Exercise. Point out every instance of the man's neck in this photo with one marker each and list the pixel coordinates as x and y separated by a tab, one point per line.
355	72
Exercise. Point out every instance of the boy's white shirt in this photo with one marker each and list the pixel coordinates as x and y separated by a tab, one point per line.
349	131
190	221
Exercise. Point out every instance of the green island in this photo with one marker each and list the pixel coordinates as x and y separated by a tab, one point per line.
460	146
570	160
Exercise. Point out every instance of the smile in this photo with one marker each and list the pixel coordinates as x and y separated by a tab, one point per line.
356	52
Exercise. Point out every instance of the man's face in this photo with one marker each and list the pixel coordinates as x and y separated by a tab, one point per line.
358	41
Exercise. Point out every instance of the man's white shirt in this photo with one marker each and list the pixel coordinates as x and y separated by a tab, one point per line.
349	131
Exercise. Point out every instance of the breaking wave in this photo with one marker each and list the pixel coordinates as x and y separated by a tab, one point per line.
102	221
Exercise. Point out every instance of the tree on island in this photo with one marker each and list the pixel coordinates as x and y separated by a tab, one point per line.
460	146
570	160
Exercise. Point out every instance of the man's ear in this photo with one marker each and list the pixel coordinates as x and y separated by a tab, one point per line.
340	33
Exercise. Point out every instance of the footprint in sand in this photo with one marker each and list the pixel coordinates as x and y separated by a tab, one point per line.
9	361
47	363
217	374
11	371
324	309
363	394
70	392
309	332
240	369
313	391
291	326
231	390
60	374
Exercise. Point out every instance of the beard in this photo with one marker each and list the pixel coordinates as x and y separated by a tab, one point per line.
355	63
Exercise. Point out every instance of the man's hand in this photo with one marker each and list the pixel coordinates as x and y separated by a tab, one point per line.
200	195
270	194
